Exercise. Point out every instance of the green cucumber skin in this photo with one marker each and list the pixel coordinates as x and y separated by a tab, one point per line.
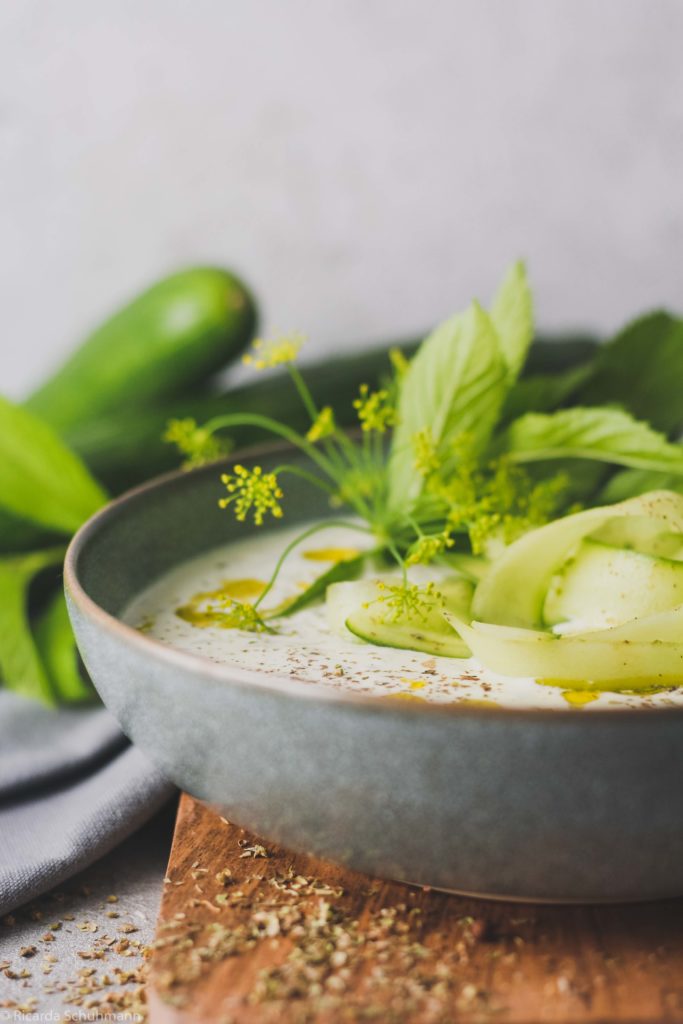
403	638
163	343
431	636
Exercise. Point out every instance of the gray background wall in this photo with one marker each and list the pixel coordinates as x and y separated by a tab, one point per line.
368	164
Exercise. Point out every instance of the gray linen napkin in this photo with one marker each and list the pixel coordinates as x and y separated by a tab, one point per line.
71	788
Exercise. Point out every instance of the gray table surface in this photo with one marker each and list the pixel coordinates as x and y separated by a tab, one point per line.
82	910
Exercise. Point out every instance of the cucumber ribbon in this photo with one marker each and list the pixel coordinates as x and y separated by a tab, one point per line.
623	564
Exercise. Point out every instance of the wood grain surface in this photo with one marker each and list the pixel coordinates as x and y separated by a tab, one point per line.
249	932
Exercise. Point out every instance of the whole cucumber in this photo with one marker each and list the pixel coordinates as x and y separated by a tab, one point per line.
166	341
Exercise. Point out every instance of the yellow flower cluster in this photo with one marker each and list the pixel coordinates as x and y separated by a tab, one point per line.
425	550
427	459
375	411
496	501
243	615
252	491
323	425
398	361
197	444
267	354
408	599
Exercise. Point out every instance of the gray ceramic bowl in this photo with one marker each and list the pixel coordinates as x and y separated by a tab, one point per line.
560	806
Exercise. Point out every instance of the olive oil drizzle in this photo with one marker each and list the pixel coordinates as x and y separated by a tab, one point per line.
331	554
212	607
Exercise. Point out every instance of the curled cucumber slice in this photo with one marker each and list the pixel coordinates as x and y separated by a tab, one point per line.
602	586
362	608
596	661
619	610
513	592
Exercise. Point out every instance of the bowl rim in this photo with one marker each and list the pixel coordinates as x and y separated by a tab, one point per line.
284	685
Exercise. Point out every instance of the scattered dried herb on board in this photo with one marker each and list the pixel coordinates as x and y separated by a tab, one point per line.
323	958
297	940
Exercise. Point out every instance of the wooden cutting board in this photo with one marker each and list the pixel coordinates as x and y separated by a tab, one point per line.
249	932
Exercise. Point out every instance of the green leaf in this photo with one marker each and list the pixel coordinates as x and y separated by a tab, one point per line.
544	392
584	478
631	483
455	384
20	664
56	646
512	314
20	535
40	478
642	370
605	435
348	569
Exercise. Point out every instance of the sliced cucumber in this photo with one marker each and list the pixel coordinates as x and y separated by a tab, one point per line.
513	591
472	567
601	660
361	608
623	607
343	599
602	586
441	640
637	533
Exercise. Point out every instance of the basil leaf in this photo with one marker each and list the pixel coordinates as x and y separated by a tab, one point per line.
512	314
56	646
642	370
348	569
20	535
605	435
584	478
544	392
455	384
631	483
20	664
40	478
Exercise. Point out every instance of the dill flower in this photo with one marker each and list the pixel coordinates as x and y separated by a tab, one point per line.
375	411
252	491
426	456
323	425
276	352
426	549
486	528
496	501
196	443
406	600
242	615
398	361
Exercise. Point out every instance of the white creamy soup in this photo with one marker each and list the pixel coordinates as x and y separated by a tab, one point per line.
306	649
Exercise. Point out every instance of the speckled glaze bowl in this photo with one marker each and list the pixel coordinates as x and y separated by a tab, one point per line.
533	805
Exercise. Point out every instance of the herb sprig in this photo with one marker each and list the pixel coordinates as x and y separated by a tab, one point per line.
436	466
